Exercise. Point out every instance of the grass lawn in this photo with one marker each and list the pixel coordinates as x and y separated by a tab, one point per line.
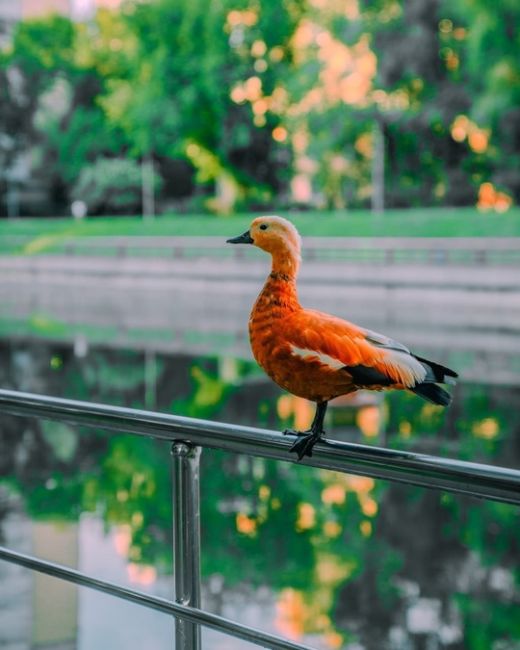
427	222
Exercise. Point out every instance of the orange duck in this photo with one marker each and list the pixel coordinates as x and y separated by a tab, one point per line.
318	356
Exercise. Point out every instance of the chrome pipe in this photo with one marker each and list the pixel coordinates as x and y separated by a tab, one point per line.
186	539
475	479
191	614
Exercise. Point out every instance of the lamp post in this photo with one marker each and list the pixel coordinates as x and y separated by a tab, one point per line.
147	185
378	168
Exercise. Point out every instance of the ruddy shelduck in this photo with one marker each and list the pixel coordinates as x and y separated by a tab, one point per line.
318	356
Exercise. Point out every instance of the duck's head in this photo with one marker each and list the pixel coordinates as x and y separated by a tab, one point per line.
274	235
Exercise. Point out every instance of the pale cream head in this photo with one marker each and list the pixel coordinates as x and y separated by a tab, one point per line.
279	237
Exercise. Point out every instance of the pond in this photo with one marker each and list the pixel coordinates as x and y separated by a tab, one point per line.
336	561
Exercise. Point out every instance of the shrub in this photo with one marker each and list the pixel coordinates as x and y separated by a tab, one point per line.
111	185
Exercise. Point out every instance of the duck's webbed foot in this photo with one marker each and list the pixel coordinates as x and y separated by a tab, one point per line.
307	439
294	432
305	442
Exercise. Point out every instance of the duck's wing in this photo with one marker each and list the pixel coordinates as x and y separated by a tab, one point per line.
384	342
435	372
372	359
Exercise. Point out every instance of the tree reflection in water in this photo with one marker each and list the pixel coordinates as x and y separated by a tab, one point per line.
350	559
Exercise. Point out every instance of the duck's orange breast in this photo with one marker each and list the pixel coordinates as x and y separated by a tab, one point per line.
276	321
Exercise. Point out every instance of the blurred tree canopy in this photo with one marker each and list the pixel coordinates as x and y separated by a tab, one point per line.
301	102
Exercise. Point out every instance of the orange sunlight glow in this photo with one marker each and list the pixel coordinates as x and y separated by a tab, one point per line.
306	517
247	17
463	128
368	506
405	429
459	128
258	49
347	71
301	409
364	145
276	54
291	613
330	571
295	616
122	539
284	407
478	140
451	59
334	640
488	428
489	198
366	528
301	188
141	574
332	529
360	484
260	107
246	525
347	8
368	420
279	134
334	494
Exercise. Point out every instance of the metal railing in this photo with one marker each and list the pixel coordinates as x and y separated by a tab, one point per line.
469	251
188	436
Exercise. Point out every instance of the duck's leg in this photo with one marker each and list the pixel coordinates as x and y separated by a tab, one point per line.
307	439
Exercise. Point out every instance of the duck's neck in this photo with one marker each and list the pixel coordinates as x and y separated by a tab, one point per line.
286	262
279	294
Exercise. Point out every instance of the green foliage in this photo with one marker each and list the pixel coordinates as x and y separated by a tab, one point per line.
489	624
41	49
176	101
206	86
492	66
112	184
80	141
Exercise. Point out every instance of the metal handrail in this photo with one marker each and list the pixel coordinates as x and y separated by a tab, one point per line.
430	250
192	614
187	436
476	479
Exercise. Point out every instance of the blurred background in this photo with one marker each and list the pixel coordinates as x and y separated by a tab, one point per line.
135	137
324	103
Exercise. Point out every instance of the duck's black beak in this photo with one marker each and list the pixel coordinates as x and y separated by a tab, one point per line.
244	238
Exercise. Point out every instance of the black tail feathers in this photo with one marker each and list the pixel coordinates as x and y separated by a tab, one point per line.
432	393
435	373
438	373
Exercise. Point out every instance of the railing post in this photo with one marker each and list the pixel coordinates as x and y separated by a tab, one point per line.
186	539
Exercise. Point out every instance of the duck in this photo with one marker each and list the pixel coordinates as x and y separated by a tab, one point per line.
319	356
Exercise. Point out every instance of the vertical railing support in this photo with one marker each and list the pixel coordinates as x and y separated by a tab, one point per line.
186	539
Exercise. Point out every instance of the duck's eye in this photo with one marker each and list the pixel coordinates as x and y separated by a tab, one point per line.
263	226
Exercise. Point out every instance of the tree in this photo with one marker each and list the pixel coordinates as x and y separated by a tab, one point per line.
489	42
418	93
200	73
52	76
27	70
248	101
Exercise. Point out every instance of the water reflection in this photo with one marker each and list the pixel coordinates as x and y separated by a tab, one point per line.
336	560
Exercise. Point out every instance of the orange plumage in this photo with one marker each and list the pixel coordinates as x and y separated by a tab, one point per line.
318	356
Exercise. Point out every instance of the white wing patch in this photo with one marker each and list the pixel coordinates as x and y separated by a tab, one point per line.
406	365
313	355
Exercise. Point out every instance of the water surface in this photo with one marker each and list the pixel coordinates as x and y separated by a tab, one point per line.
338	561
